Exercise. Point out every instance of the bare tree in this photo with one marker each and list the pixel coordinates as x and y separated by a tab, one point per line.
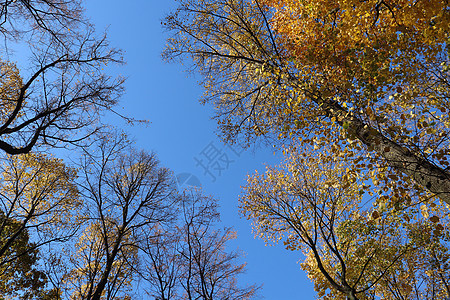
160	264
22	18
60	97
190	260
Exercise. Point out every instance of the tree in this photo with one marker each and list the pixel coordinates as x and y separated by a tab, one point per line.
189	261
18	274
135	225
126	194
370	78
161	269
38	199
209	272
20	19
60	99
56	100
353	251
362	85
39	193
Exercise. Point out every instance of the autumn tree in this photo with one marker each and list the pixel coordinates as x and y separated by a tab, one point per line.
190	260
53	99
59	99
38	199
18	274
362	88
126	193
353	250
368	77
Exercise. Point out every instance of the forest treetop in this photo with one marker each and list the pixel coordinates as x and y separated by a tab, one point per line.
369	78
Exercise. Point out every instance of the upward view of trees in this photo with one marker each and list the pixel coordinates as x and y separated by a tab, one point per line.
112	223
356	94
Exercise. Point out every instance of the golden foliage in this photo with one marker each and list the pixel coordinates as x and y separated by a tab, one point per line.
368	78
353	249
10	84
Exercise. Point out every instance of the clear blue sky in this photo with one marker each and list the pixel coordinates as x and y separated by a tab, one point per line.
181	130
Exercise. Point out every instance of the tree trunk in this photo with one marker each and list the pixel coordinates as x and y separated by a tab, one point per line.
426	174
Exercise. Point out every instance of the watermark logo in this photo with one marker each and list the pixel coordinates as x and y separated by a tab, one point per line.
214	160
188	181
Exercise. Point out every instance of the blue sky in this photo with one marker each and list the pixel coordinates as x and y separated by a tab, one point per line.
181	130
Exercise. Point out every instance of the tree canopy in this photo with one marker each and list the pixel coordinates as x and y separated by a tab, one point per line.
356	95
314	72
352	250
